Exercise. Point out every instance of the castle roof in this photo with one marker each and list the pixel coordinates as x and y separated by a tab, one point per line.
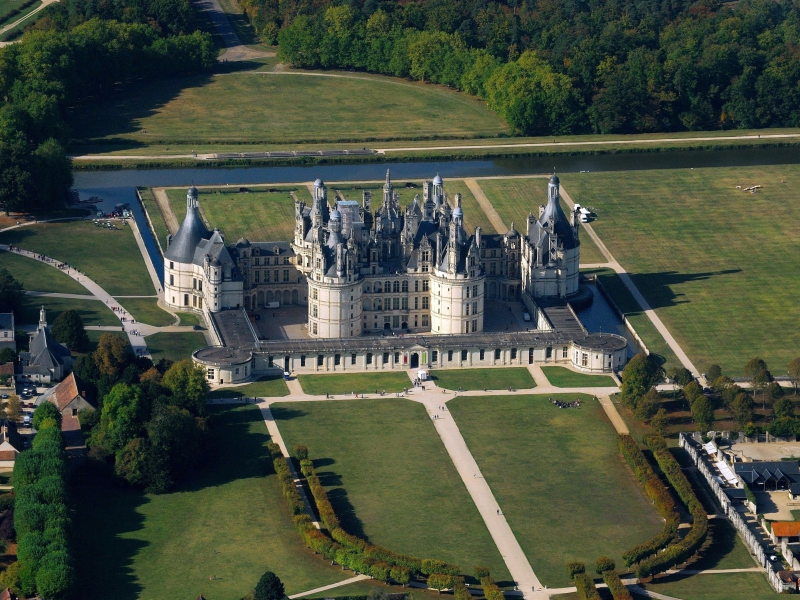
561	225
191	232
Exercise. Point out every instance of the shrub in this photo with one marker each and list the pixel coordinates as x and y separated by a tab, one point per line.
430	566
55	576
46	410
300	452
574	568
461	592
10	578
586	587
6	501
604	563
440	581
615	585
30	551
481	572
491	591
269	587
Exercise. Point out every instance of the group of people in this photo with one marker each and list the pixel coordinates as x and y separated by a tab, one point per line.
560	404
418	383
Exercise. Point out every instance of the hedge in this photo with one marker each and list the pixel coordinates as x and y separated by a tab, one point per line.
658	493
686	548
615	586
586	587
490	589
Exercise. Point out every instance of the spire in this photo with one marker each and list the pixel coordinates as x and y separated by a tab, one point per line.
42	318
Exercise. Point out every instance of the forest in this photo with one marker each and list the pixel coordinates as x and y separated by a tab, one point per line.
592	66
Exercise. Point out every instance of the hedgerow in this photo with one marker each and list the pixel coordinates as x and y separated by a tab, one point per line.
660	496
586	587
615	585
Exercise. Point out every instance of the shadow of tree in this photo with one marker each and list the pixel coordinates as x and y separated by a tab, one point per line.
657	288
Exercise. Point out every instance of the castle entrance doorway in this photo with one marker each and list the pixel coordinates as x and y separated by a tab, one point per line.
387	326
414	360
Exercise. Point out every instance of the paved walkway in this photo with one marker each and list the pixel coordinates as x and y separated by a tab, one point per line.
325	588
236	51
613	414
651	314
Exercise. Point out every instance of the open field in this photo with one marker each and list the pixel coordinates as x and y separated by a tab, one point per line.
390	479
361	383
715	262
229	522
92	312
285	107
174	346
146	310
38	277
557	476
484	379
259	216
160	230
265	387
103	254
515	198
730	586
563	377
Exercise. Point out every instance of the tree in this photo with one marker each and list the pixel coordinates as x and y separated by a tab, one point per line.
112	355
7	355
703	413
269	587
68	329
174	445
760	382
742	407
188	385
603	564
648	405
440	581
121	418
11	293
640	374
681	376
660	422
692	391
754	366
785	427
794	372
713	372
131	463
783	407
46	410
14	408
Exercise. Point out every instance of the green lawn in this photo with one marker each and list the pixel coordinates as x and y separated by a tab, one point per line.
265	387
146	310
259	216
160	230
558	477
39	277
473	213
644	327
563	377
484	379
92	312
189	318
175	346
361	383
390	479
254	106
229	522
715	262
109	257
515	198
727	586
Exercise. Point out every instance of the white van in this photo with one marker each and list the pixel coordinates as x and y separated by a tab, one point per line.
273	304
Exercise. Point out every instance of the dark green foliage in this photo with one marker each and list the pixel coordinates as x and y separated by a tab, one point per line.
188	385
713	373
300	452
604	563
783	407
46	410
11	291
55	576
269	587
586	588
574	568
703	413
89	418
481	572
615	585
68	329
7	355
785	427
648	405
640	374
742	409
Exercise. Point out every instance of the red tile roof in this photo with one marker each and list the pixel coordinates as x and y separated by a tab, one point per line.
65	392
786	528
7	369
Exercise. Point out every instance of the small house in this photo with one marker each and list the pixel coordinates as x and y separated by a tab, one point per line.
69	397
786	531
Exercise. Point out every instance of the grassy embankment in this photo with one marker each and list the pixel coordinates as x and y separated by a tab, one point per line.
229	523
558	478
716	263
174	346
484	379
159	227
390	479
563	377
265	387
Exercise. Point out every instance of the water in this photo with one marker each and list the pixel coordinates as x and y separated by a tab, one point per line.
600	317
733	157
110	197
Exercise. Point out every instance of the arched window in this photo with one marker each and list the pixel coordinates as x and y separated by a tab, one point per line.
387	287
378	287
396	287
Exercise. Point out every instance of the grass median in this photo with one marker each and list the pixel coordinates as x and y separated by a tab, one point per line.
390	480
360	383
563	377
484	379
558	478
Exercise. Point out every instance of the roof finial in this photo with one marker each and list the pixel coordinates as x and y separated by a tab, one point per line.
388	178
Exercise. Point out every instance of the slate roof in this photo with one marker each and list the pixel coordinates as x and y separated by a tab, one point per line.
561	225
7	321
45	352
191	232
761	472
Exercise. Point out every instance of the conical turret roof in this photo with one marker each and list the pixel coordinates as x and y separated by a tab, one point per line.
192	230
561	225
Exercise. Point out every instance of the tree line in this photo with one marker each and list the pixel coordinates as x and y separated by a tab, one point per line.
77	51
603	66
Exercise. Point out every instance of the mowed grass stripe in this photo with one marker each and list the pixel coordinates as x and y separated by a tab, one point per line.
111	258
515	198
290	107
229	522
558	478
391	480
716	263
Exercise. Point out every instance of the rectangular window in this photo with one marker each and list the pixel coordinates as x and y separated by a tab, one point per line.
337	359
286	260
497	354
302	360
513	354
492	269
236	372
404	303
194	301
396	321
467	292
369	358
314	293
320	360
172	279
481	353
200	284
549	353
256	276
434	355
396	357
257	262
396	286
474	308
386	358
463	355
584	359
474	325
466	309
474	291
276	279
424	320
266	276
314	328
172	266
194	283
424	303
186	299
416	302
449	355
286	274
395	303
565	352
424	285
352	359
314	312
210	374
416	285
199	303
